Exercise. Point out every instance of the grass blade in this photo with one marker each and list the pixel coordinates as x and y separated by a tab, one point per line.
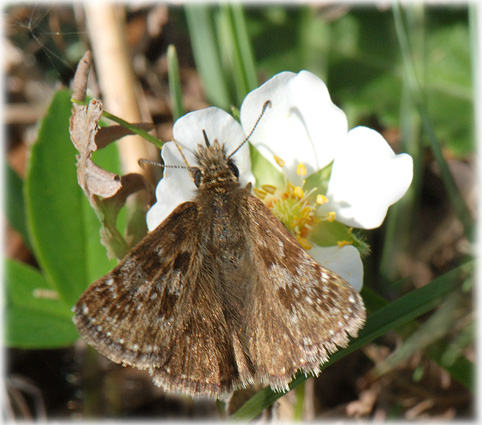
206	55
174	82
246	54
236	50
456	200
391	316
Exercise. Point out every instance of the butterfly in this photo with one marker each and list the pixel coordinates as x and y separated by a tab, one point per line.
220	295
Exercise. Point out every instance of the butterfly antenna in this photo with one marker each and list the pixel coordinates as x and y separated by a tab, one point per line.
143	161
179	148
208	143
265	106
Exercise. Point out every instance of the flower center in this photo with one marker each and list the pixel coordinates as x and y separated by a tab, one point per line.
293	207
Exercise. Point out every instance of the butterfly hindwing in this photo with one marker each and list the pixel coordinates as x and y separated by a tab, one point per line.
301	311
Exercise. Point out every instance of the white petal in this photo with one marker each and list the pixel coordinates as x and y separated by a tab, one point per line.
220	126
302	125
177	186
367	177
344	261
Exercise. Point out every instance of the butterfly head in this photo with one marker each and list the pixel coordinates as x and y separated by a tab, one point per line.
213	165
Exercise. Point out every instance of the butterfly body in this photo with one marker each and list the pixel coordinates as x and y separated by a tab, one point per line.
219	295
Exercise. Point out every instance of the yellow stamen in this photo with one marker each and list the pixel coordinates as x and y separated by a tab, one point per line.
261	194
290	189
299	192
344	243
305	243
330	216
293	207
301	169
269	188
321	199
279	161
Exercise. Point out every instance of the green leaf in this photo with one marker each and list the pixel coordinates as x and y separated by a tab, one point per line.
319	180
30	329
264	171
329	233
22	281
63	235
15	204
34	318
389	317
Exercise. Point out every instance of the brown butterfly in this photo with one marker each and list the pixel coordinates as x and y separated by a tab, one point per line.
220	295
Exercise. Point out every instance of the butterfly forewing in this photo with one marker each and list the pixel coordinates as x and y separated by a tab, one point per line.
154	312
127	312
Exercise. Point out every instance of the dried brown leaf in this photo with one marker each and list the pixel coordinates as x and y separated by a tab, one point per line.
79	84
84	126
99	181
83	129
112	133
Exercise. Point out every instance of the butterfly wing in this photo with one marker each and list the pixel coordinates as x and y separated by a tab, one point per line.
154	312
300	311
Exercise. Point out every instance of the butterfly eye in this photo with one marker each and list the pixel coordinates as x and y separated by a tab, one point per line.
233	168
198	176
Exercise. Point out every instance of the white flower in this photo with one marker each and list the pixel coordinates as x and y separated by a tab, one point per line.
367	177
345	261
177	186
303	126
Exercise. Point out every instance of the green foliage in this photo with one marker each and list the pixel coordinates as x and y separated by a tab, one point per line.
265	172
223	53
33	320
64	233
15	203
